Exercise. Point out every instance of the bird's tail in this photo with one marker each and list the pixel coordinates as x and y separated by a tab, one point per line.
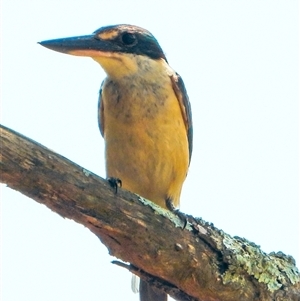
151	293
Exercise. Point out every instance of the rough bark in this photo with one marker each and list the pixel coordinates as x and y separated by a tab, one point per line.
199	262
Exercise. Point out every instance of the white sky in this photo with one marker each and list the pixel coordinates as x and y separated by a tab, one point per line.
240	64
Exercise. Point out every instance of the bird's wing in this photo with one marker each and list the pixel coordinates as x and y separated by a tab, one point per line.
185	106
100	112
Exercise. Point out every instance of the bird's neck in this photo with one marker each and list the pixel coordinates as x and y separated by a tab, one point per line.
119	67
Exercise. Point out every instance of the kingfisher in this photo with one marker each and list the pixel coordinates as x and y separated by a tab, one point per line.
144	116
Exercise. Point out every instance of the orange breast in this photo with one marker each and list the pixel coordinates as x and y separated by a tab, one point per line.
146	140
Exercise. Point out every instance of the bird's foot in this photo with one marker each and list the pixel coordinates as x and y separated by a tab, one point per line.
115	183
181	215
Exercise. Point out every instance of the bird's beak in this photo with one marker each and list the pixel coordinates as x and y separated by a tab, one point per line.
104	51
89	45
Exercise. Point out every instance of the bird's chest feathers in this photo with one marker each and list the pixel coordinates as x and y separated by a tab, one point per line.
134	99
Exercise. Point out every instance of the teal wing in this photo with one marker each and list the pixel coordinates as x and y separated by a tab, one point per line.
101	112
183	99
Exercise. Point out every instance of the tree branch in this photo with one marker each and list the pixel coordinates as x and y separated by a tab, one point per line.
197	263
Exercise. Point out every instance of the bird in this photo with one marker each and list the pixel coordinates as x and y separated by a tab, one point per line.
144	116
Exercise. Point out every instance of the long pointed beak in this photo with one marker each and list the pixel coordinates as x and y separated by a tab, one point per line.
88	45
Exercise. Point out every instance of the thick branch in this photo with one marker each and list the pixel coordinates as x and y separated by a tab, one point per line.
197	263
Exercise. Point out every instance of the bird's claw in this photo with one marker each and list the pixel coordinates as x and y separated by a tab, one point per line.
181	215
115	183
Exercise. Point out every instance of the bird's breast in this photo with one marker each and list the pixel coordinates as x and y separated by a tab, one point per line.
146	139
133	100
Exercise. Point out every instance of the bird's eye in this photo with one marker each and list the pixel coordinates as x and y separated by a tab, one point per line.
129	39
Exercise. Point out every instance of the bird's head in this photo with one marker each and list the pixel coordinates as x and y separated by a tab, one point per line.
119	49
